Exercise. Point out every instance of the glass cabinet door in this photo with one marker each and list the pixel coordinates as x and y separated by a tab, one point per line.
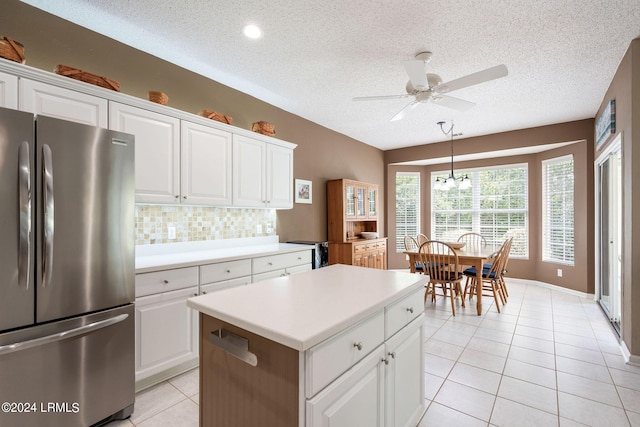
372	202
350	201
361	202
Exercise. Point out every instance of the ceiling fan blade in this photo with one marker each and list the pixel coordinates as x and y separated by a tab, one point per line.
417	74
400	114
376	98
473	79
452	102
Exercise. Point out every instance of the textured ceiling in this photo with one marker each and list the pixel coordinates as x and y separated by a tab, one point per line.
314	56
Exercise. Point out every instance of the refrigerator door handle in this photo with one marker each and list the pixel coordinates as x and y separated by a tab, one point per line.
81	330
24	249
47	196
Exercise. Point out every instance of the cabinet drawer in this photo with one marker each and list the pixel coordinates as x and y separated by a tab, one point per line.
359	248
218	286
329	359
225	270
166	280
400	313
382	244
280	261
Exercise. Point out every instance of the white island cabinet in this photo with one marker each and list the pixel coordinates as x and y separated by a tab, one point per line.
337	346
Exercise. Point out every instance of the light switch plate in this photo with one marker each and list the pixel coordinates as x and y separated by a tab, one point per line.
171	233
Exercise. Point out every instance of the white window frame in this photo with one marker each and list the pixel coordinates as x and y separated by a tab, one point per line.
401	231
476	211
567	240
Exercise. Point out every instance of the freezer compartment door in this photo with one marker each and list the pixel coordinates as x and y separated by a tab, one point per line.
74	372
86	236
16	219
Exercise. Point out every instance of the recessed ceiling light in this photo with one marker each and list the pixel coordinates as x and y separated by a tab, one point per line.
252	31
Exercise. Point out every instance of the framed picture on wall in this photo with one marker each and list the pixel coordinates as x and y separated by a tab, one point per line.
303	190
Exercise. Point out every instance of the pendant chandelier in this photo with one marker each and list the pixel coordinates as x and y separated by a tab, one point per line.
452	180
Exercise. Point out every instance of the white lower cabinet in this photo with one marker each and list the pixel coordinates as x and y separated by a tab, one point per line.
272	266
354	399
385	388
166	332
404	388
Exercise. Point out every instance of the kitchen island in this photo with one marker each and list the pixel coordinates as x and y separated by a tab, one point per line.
340	345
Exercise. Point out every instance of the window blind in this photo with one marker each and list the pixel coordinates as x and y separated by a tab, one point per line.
558	210
407	206
496	206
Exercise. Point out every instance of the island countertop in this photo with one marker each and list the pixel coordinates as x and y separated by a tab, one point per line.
302	310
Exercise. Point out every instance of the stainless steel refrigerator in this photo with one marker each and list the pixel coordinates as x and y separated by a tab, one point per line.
66	272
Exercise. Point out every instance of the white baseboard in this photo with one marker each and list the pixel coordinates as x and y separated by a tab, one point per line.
629	358
550	286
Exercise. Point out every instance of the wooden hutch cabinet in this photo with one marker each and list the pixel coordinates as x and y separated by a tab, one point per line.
352	208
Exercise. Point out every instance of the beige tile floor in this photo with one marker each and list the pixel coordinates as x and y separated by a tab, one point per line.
549	359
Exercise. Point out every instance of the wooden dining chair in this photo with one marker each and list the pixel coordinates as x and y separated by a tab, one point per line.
422	238
473	240
440	263
411	245
492	277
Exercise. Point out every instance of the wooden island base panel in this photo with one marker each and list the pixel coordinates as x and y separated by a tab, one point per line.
340	346
234	393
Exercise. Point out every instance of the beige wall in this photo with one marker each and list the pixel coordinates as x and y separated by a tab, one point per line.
625	89
321	154
578	277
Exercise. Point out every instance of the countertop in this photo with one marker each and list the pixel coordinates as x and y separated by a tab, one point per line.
176	255
302	310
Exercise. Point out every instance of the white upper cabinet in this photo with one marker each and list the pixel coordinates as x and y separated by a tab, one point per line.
157	140
206	165
262	174
8	91
61	103
279	176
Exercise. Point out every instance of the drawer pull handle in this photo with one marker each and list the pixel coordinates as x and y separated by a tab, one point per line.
195	295
270	263
204	292
392	354
228	271
358	345
386	361
410	310
233	344
165	281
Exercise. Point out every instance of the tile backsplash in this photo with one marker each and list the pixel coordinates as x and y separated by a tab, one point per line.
198	223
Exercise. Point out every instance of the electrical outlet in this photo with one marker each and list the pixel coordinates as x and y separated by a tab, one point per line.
171	231
269	229
559	272
259	229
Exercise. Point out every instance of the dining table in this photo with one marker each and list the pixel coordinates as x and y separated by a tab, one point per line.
471	257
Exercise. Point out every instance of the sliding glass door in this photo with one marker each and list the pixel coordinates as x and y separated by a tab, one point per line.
609	231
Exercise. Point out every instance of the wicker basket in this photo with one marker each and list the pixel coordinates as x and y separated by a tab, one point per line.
209	114
12	50
264	128
74	73
158	97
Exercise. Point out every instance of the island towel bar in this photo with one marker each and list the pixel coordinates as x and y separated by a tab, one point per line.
235	345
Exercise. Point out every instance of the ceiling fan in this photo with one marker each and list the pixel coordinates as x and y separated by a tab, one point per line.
427	87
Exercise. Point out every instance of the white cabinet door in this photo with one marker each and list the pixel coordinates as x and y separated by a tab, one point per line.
53	101
404	386
166	332
8	91
279	175
262	174
356	399
157	151
206	165
249	171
